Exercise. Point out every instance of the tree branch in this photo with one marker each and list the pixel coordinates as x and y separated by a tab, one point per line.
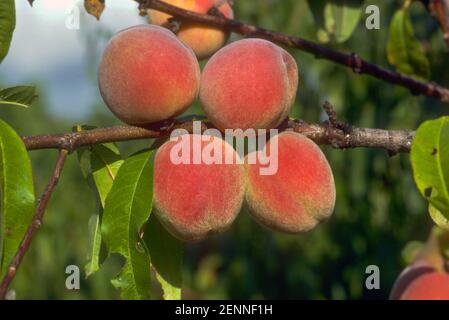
352	61
35	224
334	134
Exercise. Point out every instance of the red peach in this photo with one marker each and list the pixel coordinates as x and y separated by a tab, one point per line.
302	191
147	75
204	40
250	83
192	200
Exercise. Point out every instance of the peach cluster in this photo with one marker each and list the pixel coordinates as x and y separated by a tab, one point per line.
149	75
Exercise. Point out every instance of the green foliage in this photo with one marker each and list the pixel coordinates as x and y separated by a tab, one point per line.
17	194
128	207
403	49
99	164
7	26
336	20
21	96
166	258
430	161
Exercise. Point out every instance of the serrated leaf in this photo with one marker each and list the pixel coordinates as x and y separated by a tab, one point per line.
404	50
430	162
17	194
7	26
20	96
94	7
336	20
166	258
128	207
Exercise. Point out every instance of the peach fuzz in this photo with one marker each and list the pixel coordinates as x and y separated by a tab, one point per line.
300	194
194	201
147	75
428	286
250	83
204	40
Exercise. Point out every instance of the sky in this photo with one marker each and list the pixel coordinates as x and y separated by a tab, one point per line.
48	48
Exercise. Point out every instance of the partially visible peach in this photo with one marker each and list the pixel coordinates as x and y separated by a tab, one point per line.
191	200
147	75
250	83
302	191
204	40
431	285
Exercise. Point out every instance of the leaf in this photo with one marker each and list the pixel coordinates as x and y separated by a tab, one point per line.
337	19
7	26
99	164
403	49
21	96
439	219
94	7
128	207
430	162
166	258
17	194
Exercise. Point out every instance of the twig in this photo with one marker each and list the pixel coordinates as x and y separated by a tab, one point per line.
35	224
352	61
338	136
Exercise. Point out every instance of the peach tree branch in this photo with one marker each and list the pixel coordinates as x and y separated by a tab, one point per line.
351	60
329	133
35	224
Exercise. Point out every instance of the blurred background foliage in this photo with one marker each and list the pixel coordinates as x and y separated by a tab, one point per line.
378	208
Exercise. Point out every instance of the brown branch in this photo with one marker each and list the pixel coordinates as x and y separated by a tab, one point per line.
352	61
35	224
334	134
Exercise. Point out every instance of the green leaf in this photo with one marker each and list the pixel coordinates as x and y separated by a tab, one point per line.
20	96
430	162
128	207
166	258
99	164
403	49
336	20
439	219
7	26
17	194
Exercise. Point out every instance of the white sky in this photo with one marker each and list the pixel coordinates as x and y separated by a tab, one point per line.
45	50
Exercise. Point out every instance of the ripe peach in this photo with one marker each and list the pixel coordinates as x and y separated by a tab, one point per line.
147	75
421	281
204	40
195	199
302	191
250	83
431	285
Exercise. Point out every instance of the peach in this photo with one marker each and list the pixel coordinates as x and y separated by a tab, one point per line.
425	285
204	40
195	199
147	75
302	191
250	83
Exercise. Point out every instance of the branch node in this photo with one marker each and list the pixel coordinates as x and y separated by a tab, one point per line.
332	114
355	62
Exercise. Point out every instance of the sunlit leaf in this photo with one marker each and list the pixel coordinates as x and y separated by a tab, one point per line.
430	162
17	194
128	207
7	26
